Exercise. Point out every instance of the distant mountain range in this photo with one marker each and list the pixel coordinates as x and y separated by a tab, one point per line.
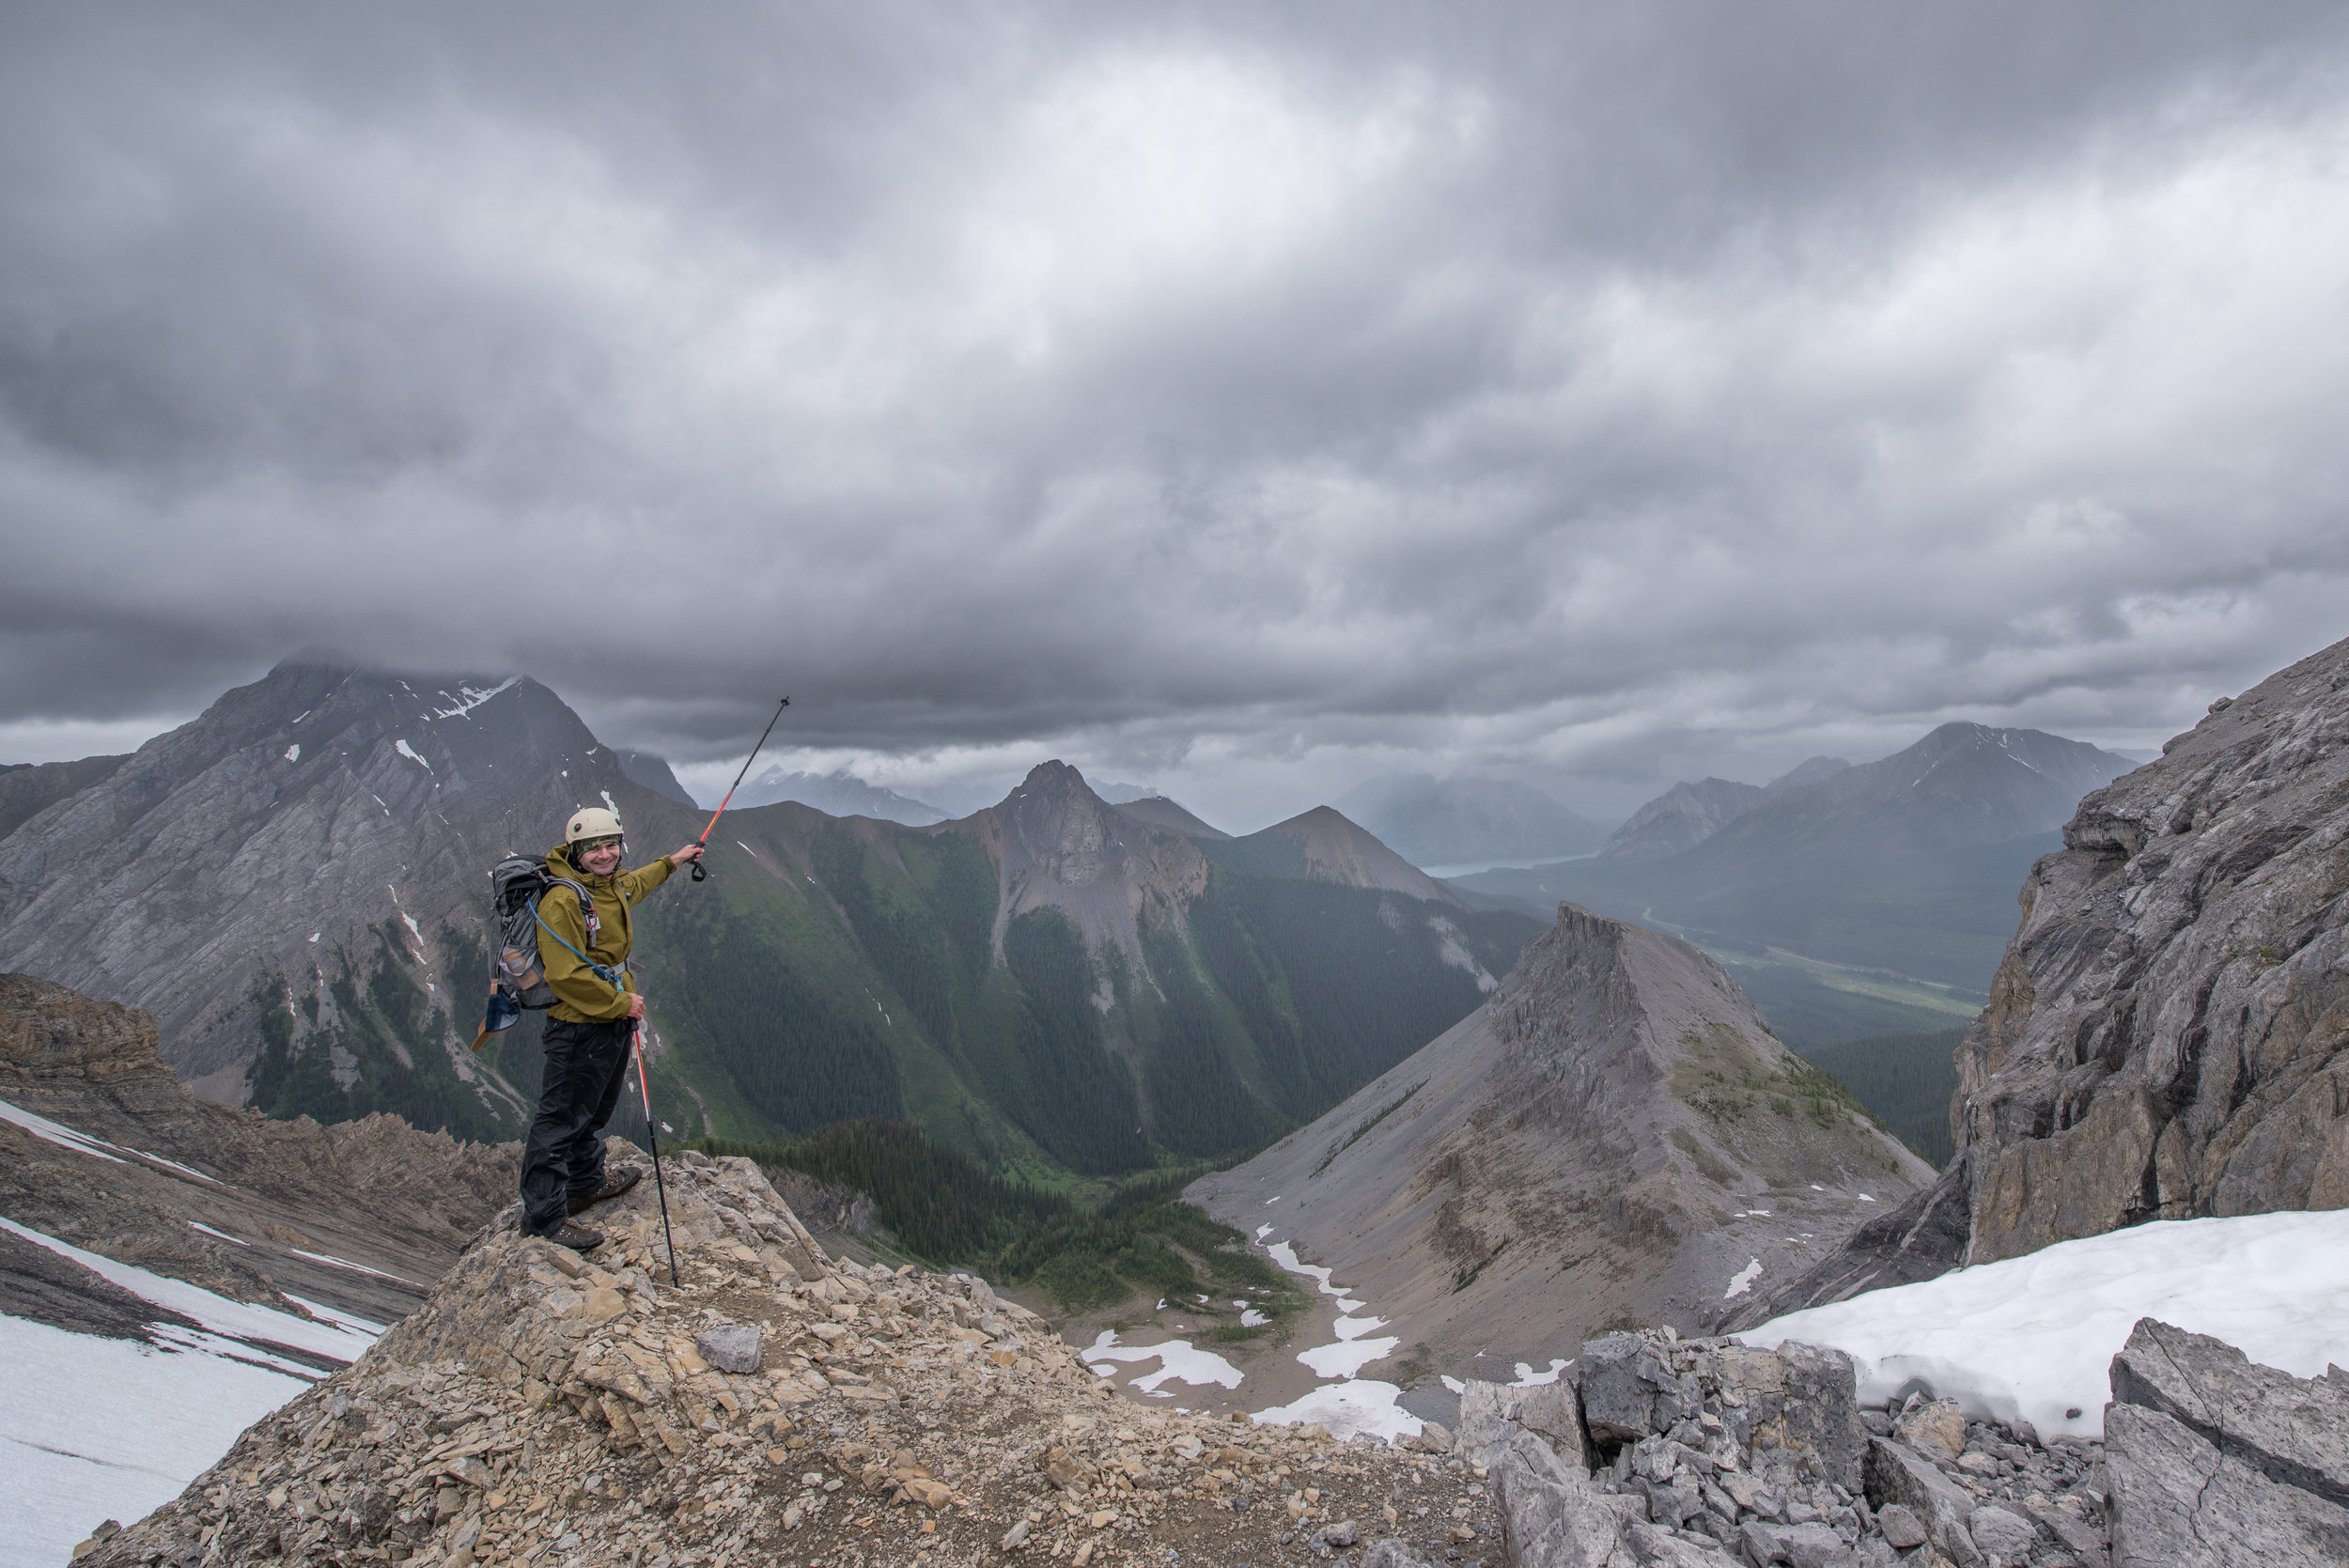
294	884
840	794
1906	864
1451	822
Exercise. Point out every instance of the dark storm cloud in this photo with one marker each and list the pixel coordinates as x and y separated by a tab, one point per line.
1252	400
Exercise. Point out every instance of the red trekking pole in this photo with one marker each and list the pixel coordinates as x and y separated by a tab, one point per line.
699	875
652	1131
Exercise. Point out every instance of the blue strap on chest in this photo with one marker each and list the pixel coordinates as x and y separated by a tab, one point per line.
609	976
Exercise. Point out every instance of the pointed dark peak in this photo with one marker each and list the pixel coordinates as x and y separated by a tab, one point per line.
1053	780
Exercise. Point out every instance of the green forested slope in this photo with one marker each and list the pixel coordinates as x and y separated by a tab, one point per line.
833	970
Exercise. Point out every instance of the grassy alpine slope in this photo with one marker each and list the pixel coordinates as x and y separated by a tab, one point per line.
941	1207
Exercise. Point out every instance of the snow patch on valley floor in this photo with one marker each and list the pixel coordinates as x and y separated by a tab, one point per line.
1352	1405
1350	1408
1179	1360
2034	1337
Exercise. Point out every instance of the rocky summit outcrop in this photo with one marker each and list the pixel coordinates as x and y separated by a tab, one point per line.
1654	1449
2165	1036
101	1148
1613	1137
1058	845
2217	1460
775	1407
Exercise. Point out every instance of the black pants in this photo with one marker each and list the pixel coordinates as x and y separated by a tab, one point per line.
564	1157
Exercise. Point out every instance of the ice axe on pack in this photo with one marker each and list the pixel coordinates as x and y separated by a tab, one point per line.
699	875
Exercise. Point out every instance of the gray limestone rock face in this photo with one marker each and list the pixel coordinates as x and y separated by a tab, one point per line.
1896	1475
1627	1392
1551	1516
2162	1037
1822	1410
2293	1430
2179	1502
730	1347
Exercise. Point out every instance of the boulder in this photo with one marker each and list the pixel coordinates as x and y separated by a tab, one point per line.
1627	1391
1551	1516
1897	1474
2179	1502
1822	1410
2008	1537
1931	1424
2294	1430
730	1347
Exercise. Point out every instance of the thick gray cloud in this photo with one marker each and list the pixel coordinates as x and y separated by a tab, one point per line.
1247	401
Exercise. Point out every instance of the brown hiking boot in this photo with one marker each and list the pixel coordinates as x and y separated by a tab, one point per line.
579	1238
614	1183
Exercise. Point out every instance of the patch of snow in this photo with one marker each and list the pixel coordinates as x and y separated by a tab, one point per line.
222	1234
379	800
1347	1357
314	936
1250	1318
1263	1231
1529	1378
1743	1281
344	1262
1177	1360
293	752
1355	1328
610	804
2034	1337
232	1320
1286	1255
1865	1199
413	930
1453	1384
99	1428
1274	1198
409	751
468	698
1361	1406
41	1126
748	850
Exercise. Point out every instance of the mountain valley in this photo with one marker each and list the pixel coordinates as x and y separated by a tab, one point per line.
293	884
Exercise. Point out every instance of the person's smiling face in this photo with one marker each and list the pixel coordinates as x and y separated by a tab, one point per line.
601	856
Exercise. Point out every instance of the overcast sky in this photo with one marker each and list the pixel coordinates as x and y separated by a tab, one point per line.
1246	399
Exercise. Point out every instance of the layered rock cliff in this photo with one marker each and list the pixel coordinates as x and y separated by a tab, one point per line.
2165	1037
101	1148
1614	1138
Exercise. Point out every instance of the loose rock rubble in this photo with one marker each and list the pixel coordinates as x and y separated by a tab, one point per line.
546	1409
1656	1449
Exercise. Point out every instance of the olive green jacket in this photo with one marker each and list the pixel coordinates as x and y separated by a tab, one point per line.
581	995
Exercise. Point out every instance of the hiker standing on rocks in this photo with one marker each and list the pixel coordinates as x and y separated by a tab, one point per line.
589	1028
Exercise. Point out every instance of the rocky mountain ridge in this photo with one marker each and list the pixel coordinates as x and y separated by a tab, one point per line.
1906	864
776	1406
2165	1033
104	1149
1613	1137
